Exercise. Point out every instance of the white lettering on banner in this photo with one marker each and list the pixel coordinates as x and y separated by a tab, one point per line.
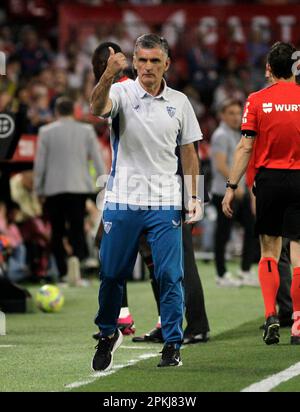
286	23
234	22
274	22
262	24
134	24
174	26
208	27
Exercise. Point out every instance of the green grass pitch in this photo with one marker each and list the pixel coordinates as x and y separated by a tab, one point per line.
48	352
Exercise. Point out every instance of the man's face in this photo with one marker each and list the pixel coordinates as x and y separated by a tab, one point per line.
232	116
150	64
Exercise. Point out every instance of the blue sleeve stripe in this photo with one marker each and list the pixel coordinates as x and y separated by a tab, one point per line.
116	132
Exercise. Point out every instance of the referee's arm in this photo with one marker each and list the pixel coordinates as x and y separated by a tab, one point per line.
241	159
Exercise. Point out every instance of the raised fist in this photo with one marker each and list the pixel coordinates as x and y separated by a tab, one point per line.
116	62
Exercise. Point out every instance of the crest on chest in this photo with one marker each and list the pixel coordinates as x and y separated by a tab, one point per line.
171	111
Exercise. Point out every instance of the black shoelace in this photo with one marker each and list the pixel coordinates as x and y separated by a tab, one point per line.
168	352
103	346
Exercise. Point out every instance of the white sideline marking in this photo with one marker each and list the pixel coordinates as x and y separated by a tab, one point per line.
137	347
95	375
266	385
78	384
7	346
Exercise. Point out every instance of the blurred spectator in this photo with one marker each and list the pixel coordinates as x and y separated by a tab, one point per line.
224	141
35	228
234	48
82	105
39	111
228	89
74	62
91	224
7	40
33	58
102	31
47	78
257	48
195	100
20	104
62	177
21	187
16	268
202	67
60	86
9	82
5	101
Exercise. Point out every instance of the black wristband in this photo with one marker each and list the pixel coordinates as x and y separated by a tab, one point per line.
232	186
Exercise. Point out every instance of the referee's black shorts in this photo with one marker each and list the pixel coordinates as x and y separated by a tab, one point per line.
278	203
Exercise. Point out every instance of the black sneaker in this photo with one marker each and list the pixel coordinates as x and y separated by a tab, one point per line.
285	322
106	347
154	336
97	335
170	356
271	330
295	340
198	338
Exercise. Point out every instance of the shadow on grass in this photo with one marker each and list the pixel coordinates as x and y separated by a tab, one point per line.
229	362
243	331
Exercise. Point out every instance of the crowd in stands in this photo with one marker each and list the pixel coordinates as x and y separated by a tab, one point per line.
37	73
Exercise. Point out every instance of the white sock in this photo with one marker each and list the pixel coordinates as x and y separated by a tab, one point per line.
124	313
159	320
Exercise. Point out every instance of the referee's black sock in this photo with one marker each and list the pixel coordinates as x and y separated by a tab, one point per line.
125	296
154	284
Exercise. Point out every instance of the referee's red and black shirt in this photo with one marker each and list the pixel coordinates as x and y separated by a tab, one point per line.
274	115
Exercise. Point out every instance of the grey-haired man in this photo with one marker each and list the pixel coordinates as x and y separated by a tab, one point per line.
149	120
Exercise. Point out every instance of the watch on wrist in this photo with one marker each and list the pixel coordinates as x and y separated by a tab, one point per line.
196	197
232	186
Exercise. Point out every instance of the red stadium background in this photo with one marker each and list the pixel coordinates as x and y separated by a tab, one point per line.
180	19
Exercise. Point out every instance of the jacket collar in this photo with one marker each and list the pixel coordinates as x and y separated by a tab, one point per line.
143	93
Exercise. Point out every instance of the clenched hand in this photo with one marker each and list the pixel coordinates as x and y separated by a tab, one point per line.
116	62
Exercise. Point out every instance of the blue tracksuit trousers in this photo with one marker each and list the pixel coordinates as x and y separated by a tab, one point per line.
118	252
